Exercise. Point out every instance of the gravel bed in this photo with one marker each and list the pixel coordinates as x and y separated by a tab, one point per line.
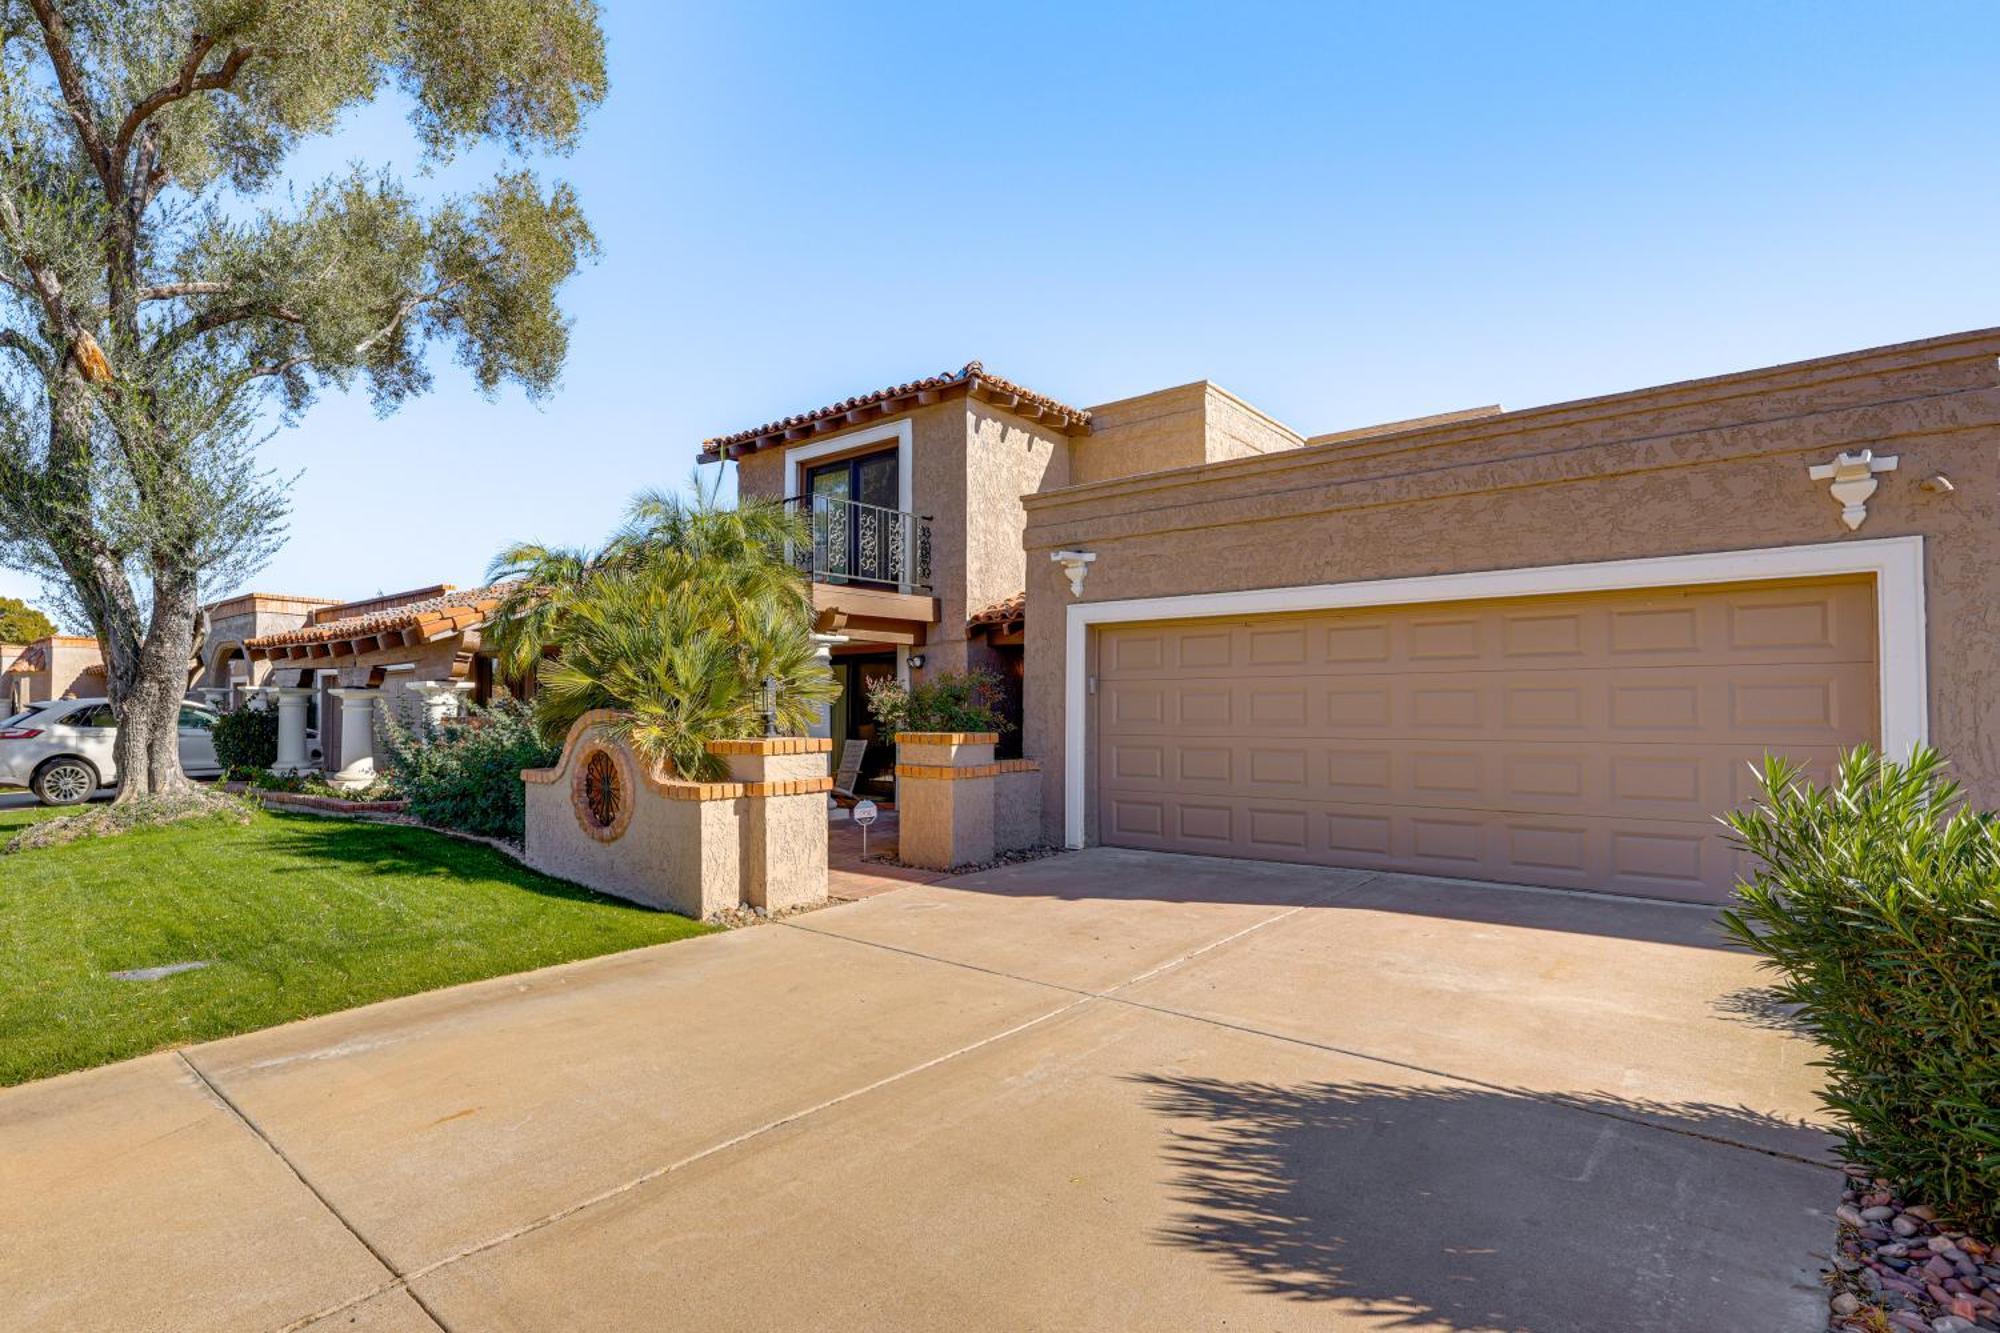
1008	858
1900	1270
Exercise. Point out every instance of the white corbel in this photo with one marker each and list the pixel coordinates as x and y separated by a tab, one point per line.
1075	564
1853	478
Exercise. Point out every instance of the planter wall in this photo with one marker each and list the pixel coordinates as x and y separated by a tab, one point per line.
603	818
956	805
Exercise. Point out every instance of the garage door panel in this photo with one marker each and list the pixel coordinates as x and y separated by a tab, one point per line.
1793	704
1578	742
1794	623
1692	782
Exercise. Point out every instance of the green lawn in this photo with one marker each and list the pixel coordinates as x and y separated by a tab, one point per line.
298	915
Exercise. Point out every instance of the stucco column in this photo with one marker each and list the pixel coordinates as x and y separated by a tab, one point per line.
822	723
357	737
944	797
439	701
291	729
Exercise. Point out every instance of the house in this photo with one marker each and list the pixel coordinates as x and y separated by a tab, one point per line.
913	494
59	666
1539	646
327	664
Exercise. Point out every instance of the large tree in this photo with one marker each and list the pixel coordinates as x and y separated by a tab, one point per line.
21	623
161	301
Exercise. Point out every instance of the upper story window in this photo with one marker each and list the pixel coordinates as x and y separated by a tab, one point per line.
858	532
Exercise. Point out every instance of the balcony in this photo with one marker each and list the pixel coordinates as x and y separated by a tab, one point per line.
870	569
864	545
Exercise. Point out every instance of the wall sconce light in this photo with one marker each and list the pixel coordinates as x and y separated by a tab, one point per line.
1853	478
916	661
1075	564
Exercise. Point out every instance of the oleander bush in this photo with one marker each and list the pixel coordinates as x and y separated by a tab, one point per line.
465	774
944	701
1877	901
247	738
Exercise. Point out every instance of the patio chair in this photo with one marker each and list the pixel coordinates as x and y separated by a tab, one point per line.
849	773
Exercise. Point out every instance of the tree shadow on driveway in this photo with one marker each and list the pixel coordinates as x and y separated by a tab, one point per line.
1463	1207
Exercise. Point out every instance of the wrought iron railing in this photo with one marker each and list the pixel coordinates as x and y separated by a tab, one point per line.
865	544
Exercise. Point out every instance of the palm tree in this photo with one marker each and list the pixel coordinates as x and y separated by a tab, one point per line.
674	625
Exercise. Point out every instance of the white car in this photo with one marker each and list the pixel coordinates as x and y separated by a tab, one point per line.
62	750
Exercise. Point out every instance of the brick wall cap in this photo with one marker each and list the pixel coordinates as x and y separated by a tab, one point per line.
675	788
773	745
948	738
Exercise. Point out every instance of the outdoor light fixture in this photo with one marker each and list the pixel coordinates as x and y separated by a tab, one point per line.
1075	564
1853	478
916	661
768	706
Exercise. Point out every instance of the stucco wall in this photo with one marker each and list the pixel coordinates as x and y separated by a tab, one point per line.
1005	459
1185	426
1153	431
1701	466
69	657
1235	429
247	617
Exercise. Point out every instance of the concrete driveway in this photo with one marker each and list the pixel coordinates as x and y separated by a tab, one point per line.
1113	1090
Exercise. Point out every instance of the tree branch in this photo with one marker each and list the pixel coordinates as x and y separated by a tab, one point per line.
19	342
167	291
44	284
277	367
190	82
76	94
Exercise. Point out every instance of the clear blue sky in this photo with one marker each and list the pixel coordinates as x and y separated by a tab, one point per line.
1345	213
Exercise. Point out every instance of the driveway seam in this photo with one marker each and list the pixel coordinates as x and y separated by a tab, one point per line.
618	1191
324	1202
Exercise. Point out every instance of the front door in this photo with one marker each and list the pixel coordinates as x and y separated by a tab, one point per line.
854	518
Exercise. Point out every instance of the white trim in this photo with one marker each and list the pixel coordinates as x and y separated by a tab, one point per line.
1897	564
899	431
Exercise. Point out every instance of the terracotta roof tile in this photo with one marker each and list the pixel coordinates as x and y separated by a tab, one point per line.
971	377
1001	613
447	613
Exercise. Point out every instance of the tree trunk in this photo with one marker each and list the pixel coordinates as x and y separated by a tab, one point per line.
148	749
145	669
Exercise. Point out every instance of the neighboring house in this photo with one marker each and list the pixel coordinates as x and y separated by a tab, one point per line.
1540	646
418	651
235	621
61	666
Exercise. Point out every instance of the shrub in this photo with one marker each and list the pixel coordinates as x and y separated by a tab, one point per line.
247	738
675	626
466	773
945	701
1878	901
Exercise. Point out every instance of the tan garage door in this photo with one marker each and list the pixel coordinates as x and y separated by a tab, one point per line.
1582	741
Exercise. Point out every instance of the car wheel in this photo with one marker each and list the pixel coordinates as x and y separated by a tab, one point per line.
67	781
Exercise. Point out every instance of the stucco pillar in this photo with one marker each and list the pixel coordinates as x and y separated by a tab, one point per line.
783	819
822	723
439	701
944	798
357	737
291	729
